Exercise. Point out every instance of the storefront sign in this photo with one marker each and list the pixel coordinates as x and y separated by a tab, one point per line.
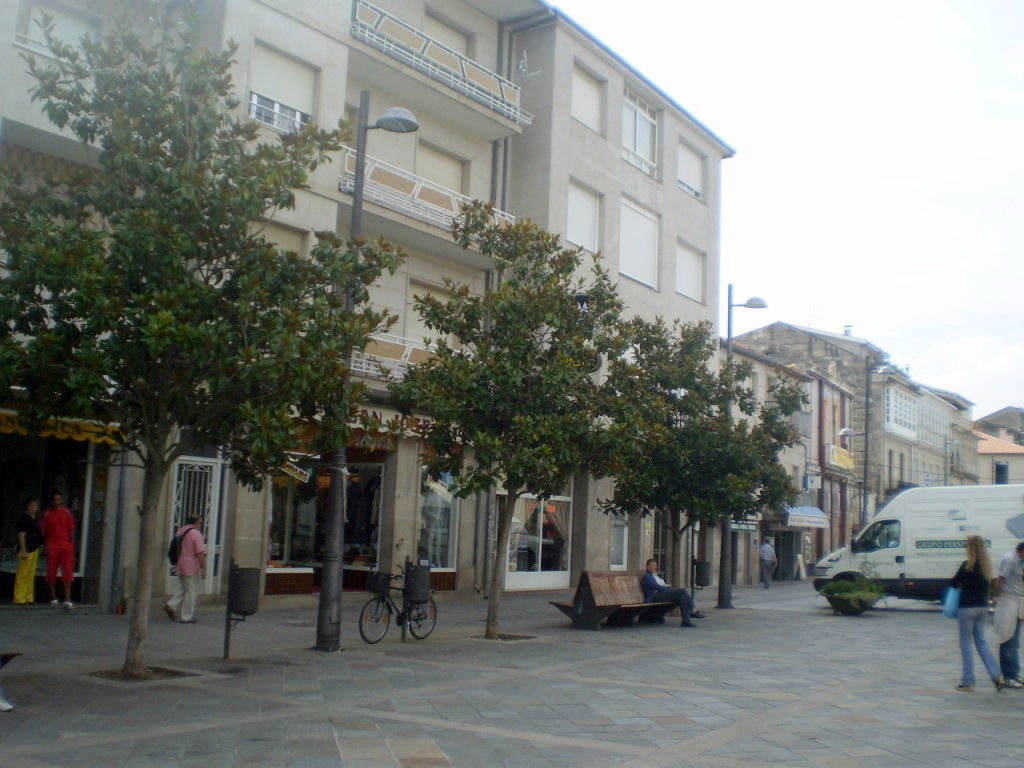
293	470
745	524
839	457
806	517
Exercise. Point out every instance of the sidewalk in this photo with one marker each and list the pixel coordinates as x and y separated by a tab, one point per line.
778	680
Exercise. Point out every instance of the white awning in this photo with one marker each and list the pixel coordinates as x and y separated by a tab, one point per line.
806	517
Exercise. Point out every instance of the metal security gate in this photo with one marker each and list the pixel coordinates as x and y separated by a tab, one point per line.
197	493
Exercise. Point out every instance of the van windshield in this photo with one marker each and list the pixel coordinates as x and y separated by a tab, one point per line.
884	534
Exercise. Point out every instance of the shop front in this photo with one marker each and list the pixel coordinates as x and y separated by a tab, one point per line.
539	544
298	518
792	536
67	457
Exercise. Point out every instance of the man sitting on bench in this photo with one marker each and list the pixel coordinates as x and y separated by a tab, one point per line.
657	591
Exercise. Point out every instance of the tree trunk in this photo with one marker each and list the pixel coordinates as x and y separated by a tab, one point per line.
725	564
675	575
134	663
506	505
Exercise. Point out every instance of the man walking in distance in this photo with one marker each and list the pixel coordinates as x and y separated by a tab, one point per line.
59	533
1009	586
190	568
768	562
657	591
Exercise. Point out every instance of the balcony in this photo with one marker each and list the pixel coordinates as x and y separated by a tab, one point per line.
388	357
407	193
403	42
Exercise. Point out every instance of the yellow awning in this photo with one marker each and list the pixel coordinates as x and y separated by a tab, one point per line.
63	429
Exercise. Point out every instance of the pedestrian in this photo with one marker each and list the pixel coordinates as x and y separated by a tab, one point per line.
5	704
59	534
30	539
1009	589
191	566
657	591
974	580
768	562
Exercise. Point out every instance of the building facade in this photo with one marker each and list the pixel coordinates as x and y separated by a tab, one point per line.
516	105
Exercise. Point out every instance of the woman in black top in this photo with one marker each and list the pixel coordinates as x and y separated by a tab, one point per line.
29	541
974	580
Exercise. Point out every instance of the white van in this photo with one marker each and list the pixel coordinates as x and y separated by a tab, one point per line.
915	543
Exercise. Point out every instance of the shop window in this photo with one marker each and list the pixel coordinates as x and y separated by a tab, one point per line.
298	516
619	545
438	521
539	539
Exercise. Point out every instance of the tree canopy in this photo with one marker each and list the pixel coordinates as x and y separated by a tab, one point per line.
710	449
509	392
140	290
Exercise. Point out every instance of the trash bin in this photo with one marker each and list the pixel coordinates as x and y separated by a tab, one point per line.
417	583
702	573
244	590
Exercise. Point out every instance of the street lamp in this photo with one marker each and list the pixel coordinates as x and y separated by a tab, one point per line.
328	624
725	561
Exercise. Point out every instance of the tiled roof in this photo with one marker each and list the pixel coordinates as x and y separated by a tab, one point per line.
990	445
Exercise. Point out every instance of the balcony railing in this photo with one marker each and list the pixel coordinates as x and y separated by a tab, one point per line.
404	42
388	356
408	193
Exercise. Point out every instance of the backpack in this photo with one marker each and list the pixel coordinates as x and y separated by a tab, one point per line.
174	548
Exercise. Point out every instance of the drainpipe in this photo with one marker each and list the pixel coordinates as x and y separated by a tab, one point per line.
517	25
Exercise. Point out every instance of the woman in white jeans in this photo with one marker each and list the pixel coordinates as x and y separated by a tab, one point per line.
974	579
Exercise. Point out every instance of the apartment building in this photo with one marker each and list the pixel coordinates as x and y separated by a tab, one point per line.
902	434
516	105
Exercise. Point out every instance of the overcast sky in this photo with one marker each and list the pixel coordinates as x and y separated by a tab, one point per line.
878	180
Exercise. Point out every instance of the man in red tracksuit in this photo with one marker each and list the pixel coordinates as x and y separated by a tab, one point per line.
59	531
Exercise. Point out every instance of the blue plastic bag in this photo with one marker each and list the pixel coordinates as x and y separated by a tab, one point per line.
951	602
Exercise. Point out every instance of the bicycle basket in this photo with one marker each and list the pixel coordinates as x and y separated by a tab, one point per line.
378	582
417	583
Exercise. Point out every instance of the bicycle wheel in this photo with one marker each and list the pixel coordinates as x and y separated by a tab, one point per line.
374	619
422	618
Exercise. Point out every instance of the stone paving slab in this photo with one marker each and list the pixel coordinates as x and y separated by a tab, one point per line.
777	681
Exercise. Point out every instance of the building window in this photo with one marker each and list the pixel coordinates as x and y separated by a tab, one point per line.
284	237
69	25
447	35
582	224
638	243
901	413
619	545
690	272
587	99
640	134
539	539
281	90
444	169
690	171
438	521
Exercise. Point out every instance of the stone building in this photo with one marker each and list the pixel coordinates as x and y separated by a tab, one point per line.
516	105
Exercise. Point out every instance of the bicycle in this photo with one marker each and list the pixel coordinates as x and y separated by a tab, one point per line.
375	618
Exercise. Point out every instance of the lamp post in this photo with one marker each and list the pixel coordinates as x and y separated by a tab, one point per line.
328	624
725	561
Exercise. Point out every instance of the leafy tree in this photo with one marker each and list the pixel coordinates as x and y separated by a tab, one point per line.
710	449
509	392
140	292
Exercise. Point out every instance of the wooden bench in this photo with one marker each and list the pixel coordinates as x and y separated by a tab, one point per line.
612	597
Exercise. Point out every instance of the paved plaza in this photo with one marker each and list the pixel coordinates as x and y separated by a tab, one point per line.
777	681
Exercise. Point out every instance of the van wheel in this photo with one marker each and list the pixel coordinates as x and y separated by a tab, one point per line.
846	576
